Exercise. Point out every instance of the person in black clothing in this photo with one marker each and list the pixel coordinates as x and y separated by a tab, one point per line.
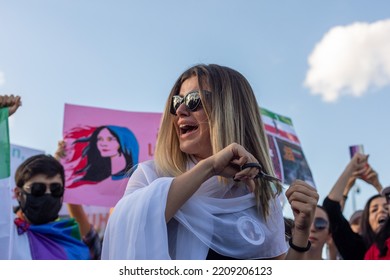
351	245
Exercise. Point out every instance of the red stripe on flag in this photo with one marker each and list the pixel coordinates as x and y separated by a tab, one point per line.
282	133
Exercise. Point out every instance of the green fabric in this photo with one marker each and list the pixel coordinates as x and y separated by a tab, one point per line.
277	117
4	145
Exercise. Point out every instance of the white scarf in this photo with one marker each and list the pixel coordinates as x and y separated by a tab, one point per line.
221	217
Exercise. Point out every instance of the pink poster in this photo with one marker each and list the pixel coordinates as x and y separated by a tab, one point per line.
102	147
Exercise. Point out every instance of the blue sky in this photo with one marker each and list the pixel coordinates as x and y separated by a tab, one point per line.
126	55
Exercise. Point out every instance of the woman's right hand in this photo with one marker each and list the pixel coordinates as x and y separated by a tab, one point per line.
11	101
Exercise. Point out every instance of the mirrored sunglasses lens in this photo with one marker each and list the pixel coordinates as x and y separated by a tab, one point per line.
192	100
176	102
320	223
38	189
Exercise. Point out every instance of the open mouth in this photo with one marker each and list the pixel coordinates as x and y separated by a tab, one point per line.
381	221
184	129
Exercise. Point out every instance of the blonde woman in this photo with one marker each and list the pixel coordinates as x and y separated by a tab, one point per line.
210	193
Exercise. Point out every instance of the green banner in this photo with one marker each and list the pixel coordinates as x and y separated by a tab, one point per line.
5	162
277	117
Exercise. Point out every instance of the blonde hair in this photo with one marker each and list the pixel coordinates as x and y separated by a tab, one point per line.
233	116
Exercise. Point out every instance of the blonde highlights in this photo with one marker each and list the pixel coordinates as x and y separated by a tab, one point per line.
233	116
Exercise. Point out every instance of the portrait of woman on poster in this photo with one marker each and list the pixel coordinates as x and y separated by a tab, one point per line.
108	152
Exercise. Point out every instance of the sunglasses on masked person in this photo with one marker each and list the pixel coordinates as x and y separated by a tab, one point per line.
191	100
39	189
320	224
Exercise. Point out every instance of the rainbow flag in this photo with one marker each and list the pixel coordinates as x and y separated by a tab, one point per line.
4	145
58	240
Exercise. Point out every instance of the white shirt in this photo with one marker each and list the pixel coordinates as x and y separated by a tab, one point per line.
221	217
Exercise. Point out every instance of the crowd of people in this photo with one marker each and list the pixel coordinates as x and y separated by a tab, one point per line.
209	193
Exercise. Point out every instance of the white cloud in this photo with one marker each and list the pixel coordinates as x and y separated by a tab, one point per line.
350	60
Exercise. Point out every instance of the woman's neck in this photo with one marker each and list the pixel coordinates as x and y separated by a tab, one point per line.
118	163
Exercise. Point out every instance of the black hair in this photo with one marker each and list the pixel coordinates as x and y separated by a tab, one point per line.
366	231
38	164
382	236
329	224
98	168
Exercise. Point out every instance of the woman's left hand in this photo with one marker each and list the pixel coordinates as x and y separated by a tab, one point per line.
303	199
230	163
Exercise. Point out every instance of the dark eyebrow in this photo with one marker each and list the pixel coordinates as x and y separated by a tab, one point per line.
374	206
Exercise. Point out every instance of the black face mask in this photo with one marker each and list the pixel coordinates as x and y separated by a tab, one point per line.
41	209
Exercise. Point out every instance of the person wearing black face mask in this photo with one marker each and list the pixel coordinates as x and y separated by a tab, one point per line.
39	233
40	199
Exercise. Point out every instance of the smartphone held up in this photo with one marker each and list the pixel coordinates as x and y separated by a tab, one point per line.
356	149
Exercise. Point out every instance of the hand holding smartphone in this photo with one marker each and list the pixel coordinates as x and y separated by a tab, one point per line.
356	149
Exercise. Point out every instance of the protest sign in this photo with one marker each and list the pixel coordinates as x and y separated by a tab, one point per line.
102	145
286	152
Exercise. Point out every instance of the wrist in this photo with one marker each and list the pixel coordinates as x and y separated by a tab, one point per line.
299	248
205	168
300	236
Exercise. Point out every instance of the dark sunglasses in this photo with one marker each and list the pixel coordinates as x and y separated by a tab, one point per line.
39	189
320	224
191	100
